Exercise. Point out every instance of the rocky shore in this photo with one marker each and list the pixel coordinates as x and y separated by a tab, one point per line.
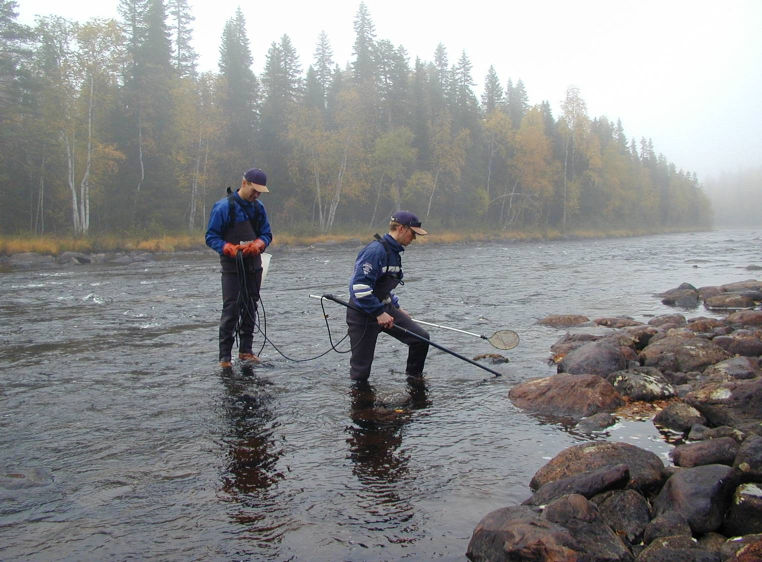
699	379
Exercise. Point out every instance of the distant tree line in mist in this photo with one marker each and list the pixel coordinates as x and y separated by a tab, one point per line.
107	126
737	198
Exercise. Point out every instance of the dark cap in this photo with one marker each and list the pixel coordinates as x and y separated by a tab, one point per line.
258	178
406	218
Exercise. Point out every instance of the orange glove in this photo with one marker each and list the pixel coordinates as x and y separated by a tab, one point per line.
255	248
230	250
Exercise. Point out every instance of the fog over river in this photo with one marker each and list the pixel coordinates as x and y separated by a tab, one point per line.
131	443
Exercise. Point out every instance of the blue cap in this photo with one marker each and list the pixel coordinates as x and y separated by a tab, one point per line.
406	218
258	178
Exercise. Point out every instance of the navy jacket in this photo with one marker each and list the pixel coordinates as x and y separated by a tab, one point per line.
220	222
377	272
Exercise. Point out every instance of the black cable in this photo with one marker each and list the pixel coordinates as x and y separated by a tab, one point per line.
245	305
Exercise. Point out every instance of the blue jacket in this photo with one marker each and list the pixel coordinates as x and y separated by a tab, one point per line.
220	222
376	274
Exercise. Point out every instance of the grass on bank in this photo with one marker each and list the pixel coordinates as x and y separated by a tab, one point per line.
51	245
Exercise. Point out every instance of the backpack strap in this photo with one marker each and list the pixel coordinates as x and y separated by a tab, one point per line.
232	203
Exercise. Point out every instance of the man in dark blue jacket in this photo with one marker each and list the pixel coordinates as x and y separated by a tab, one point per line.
239	231
378	270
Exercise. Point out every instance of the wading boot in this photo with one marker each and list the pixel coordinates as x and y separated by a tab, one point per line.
249	357
226	364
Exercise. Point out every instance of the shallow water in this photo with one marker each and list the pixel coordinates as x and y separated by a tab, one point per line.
136	445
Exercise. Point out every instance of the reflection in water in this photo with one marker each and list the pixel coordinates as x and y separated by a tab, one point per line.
252	452
381	466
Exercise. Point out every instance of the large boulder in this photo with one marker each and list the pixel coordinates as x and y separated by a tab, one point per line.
734	368
641	383
681	353
678	416
626	511
584	522
594	358
746	318
701	494
585	484
711	451
566	396
684	296
744	517
749	457
646	468
734	403
563	320
667	524
676	548
729	301
521	533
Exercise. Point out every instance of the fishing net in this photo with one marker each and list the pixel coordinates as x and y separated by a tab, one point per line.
504	339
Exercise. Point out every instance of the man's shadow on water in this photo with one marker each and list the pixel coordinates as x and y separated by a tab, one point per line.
376	434
252	452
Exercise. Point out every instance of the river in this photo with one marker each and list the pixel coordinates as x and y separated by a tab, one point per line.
133	444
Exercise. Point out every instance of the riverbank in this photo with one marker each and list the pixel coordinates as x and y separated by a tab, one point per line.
55	246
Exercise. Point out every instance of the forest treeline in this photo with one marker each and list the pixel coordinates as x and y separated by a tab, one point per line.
107	126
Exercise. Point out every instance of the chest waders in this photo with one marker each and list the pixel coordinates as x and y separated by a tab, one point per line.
241	281
363	329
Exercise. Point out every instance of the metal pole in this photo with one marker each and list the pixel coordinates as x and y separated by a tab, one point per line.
443	348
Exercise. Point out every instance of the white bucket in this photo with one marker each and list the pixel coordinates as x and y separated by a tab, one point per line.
265	265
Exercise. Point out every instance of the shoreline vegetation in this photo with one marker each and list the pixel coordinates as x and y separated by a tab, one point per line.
50	245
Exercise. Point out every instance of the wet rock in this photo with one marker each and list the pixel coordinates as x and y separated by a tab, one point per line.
684	296
626	512
73	258
569	342
494	358
646	468
566	396
701	432
712	451
678	416
744	517
746	318
563	320
703	325
667	524
640	335
671	319
596	422
586	484
749	457
584	522
701	494
739	286
678	353
594	358
734	368
747	548
712	542
520	533
747	346
641	383
673	549
728	403
617	322
729	301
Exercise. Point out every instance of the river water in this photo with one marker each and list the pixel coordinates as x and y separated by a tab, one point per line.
122	439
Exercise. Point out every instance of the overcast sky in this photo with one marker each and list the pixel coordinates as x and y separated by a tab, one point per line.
685	73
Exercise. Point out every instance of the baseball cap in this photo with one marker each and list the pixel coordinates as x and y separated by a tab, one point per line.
406	218
258	178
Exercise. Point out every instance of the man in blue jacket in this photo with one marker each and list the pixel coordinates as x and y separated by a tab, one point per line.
378	270
239	231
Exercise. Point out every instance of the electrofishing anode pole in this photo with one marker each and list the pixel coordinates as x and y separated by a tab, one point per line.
443	348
